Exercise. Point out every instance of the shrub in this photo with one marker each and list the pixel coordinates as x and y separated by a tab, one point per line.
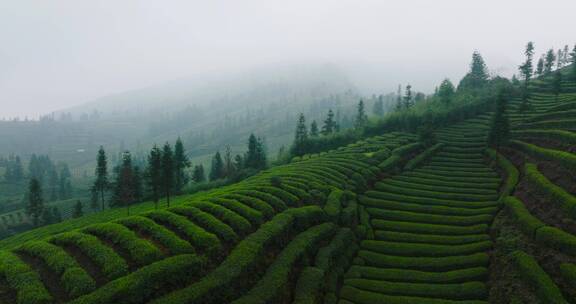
141	251
240	225
414	177
216	286
430	238
23	280
203	241
527	223
108	261
272	200
435	194
333	205
269	287
208	222
557	239
535	276
428	228
556	194
560	135
457	291
252	215
308	286
428	201
253	203
512	173
429	209
563	158
422	157
327	255
550	124
422	250
405	216
425	263
158	233
415	276
568	272
148	281
73	278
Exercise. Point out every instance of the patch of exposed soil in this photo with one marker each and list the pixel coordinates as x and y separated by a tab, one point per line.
7	294
50	279
87	264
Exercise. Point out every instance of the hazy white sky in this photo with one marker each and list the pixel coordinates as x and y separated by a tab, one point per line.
58	53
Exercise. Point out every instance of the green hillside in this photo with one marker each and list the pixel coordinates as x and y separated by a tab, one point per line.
435	218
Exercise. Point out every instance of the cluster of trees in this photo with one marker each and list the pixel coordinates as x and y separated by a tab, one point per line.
56	178
234	168
315	140
164	175
14	171
409	99
35	207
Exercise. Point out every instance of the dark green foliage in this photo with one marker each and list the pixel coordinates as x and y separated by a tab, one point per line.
446	91
361	117
553	192
557	83
512	174
299	147
181	163
208	222
153	174
240	225
73	278
23	280
424	263
198	174
168	167
424	250
537	278
78	209
526	221
378	107
256	155
478	75
148	281
35	205
459	291
499	126
402	226
307	290
141	252
333	205
330	124
109	262
314	129
430	238
549	61
159	234
269	288
414	276
101	183
125	184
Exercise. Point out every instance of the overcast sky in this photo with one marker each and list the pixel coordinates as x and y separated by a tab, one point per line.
58	53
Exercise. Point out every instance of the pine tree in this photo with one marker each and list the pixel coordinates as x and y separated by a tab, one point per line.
53	184
549	61
573	61
124	184
35	204
56	215
217	170
251	158
526	69
559	59
138	185
314	129
361	117
557	83
500	126
167	171
153	174
229	169
378	108
446	91
65	188
329	126
300	145
408	97
78	210
478	75
181	163
198	174
101	183
399	105
540	67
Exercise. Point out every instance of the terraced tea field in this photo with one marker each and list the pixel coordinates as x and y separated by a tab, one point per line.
384	220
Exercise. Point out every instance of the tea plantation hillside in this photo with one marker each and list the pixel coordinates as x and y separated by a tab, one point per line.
395	218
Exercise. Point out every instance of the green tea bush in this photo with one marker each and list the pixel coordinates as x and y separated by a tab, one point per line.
141	252
254	203
414	183
240	225
108	261
333	206
423	250
422	157
73	278
456	291
556	194
430	209
428	201
425	263
158	233
526	221
405	216
23	280
252	215
568	272
309	285
395	236
327	255
204	242
269	288
512	174
208	222
418	178
559	135
242	260
415	276
535	276
402	226
148	281
435	194
557	239
563	158
359	296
